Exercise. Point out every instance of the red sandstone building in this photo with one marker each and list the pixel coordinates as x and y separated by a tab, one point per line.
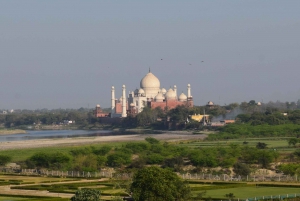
99	113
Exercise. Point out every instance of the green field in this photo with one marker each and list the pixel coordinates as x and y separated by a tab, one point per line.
23	154
109	189
280	144
251	192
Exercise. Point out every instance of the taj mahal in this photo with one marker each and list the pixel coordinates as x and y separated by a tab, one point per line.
150	94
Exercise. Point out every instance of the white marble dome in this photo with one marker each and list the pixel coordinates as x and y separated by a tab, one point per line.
210	103
150	84
163	91
170	95
159	97
141	91
182	97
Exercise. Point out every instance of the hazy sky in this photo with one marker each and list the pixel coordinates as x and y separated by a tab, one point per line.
68	54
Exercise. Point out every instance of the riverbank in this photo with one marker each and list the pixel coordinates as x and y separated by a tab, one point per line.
13	131
170	137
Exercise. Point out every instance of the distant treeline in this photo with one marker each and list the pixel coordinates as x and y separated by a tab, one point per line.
251	113
258	124
234	131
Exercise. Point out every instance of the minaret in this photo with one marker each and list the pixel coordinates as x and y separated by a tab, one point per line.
124	101
175	90
188	90
113	103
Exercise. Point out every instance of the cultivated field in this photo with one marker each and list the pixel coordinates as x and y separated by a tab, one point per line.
278	143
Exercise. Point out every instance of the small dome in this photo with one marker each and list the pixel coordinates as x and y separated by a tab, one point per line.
97	105
170	94
159	97
182	97
163	91
141	91
136	91
210	103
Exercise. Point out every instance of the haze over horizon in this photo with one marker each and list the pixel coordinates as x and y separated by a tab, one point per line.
68	54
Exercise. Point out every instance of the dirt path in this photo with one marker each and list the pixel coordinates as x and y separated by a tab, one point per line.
6	190
173	136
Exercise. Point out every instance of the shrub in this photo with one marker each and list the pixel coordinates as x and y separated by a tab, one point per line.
4	159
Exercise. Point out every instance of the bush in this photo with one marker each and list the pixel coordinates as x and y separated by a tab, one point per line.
154	159
86	194
241	169
156	184
152	140
4	159
46	160
118	159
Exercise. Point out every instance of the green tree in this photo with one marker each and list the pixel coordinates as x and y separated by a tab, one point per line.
40	160
46	160
156	184
241	169
292	141
252	102
87	162
118	159
152	140
261	145
230	196
179	114
4	159
86	194
147	117
265	158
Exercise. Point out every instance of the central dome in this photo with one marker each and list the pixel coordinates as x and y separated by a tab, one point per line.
151	85
150	80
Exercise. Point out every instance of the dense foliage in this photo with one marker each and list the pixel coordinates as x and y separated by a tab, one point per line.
4	159
55	161
156	118
153	152
86	194
156	184
232	131
20	119
271	117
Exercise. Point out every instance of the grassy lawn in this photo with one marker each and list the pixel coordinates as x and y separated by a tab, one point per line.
272	143
250	192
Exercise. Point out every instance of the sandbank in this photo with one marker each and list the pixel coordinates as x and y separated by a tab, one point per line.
171	137
14	131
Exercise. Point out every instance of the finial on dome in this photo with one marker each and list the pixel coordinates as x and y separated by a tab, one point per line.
149	70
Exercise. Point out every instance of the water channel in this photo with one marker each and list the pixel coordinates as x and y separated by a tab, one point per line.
51	134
